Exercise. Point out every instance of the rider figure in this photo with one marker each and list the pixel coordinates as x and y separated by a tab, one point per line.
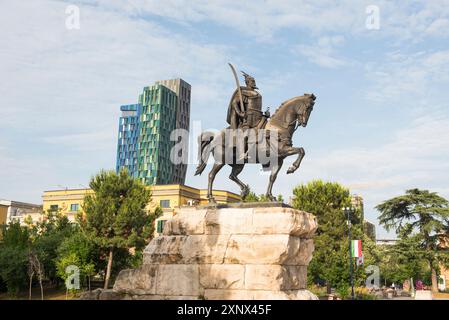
244	117
250	115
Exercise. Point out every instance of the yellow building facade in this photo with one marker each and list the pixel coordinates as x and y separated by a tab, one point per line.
3	216
16	211
3	213
169	197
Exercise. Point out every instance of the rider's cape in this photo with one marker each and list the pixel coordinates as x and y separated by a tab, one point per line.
235	97
252	101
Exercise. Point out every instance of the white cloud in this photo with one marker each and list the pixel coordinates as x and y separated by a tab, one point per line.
438	27
417	75
111	57
322	53
98	141
415	21
412	20
416	154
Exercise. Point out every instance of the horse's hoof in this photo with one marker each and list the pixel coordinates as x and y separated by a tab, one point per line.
244	193
291	170
212	201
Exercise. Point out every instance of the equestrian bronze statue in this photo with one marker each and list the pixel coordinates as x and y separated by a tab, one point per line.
254	137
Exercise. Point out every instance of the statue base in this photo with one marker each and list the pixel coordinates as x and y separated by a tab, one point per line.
220	252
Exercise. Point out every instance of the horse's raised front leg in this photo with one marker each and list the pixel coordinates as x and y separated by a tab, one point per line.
274	173
212	174
301	153
236	169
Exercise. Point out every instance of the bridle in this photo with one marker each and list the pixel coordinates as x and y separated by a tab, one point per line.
286	126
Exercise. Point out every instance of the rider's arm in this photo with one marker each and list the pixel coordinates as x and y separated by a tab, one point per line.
236	107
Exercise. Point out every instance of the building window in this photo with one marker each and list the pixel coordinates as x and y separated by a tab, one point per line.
74	207
160	226
54	207
165	203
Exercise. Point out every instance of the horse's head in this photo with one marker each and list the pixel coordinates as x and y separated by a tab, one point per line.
305	108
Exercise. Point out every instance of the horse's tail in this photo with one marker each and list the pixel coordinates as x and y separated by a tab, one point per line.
203	152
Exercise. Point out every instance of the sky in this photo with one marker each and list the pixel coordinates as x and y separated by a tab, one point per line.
379	69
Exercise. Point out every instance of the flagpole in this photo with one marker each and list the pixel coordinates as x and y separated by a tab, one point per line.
351	271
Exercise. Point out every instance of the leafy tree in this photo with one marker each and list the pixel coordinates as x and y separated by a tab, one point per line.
402	261
116	216
14	257
84	253
62	263
46	237
330	260
420	214
29	251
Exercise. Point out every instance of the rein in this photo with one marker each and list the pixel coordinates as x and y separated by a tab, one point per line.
283	125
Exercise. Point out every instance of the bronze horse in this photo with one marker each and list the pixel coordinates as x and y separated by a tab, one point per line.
288	117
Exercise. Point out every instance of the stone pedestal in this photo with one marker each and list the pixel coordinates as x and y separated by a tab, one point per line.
246	251
423	295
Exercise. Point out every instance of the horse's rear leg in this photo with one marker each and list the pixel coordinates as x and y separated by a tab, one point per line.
274	173
236	169
217	167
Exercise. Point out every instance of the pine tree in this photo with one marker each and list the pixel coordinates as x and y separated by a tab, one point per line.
420	214
115	215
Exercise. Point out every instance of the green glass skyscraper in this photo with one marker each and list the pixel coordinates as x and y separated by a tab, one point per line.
162	108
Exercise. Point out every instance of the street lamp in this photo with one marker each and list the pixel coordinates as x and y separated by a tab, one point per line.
348	211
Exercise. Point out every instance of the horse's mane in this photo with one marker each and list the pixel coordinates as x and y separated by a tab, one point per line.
285	103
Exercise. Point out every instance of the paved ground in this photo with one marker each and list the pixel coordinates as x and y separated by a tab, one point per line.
441	296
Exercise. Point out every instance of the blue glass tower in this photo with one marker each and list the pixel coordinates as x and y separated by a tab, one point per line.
128	136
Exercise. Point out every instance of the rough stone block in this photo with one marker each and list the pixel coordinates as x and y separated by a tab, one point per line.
303	255
222	276
187	221
178	280
225	222
186	249
137	281
263	249
91	295
283	221
110	295
275	277
204	248
164	249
